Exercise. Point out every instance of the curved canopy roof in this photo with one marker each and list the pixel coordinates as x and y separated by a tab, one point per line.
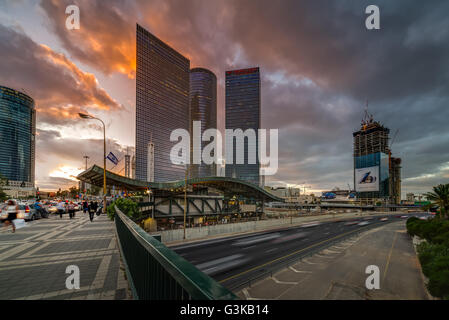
94	175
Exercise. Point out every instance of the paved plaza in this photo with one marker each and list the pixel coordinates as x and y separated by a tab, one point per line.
33	260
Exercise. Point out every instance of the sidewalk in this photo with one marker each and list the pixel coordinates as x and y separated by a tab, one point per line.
33	260
338	273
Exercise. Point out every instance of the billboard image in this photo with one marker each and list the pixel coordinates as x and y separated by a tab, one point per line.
367	179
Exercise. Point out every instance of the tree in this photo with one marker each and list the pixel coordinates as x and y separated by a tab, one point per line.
127	206
73	192
3	182
440	196
94	190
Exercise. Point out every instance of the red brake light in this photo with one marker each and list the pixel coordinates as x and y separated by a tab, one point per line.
27	209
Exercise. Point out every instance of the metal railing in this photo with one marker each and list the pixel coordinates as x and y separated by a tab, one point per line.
157	273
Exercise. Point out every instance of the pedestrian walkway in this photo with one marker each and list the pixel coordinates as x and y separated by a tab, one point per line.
338	272
33	260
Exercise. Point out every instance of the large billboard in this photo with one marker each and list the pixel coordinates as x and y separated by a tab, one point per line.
367	179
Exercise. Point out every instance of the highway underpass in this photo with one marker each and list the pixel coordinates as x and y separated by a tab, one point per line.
238	260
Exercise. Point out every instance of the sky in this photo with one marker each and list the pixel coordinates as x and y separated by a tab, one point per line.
319	66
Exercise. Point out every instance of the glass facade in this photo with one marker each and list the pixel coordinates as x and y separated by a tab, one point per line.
379	159
162	104
17	136
243	112
203	107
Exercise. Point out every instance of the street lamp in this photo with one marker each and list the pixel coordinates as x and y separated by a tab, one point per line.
86	116
185	198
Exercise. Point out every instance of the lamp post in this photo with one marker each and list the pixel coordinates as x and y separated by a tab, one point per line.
86	116
185	199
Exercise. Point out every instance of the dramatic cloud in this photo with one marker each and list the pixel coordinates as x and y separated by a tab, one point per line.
59	87
106	38
61	158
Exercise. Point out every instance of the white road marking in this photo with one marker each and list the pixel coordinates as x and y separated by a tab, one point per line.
299	271
283	282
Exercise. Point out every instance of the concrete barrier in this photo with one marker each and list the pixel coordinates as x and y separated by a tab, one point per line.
169	236
220	230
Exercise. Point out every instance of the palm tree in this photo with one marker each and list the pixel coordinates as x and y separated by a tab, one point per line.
440	196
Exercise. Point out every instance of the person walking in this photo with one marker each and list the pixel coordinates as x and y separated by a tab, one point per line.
85	206
92	210
12	209
71	209
61	208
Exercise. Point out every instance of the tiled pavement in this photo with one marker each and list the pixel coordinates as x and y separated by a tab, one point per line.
33	260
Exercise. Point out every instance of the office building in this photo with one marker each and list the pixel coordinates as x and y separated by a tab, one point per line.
17	141
203	107
162	105
243	111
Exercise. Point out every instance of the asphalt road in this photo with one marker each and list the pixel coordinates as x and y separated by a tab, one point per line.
233	261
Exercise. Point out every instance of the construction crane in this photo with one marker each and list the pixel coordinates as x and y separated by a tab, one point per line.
306	187
389	148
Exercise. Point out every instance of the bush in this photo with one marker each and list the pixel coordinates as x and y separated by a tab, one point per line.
442	238
438	285
127	206
434	253
413	226
431	256
433	230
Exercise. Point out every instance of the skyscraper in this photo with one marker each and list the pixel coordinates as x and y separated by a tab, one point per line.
376	173
162	105
203	107
243	112
17	137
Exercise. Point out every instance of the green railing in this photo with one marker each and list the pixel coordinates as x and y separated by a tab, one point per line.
157	273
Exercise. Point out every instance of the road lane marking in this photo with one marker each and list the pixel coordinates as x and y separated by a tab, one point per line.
247	295
308	262
328	251
299	271
389	255
321	256
284	282
271	250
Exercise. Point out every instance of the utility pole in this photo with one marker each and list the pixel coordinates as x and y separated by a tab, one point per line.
83	184
185	199
86	157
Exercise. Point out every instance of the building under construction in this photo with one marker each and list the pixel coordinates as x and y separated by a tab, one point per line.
377	176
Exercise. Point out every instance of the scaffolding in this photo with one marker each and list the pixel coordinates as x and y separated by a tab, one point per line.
371	138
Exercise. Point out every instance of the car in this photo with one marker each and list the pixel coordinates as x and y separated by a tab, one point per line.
351	223
383	219
310	224
27	212
52	208
363	223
